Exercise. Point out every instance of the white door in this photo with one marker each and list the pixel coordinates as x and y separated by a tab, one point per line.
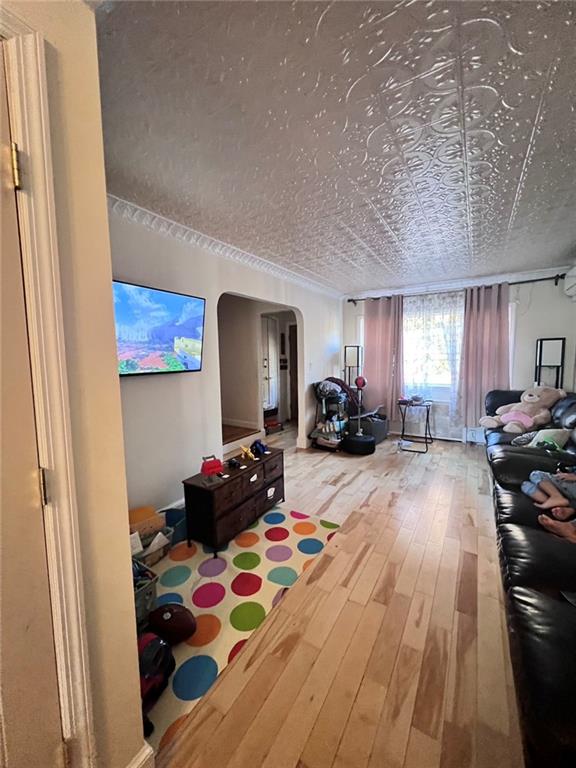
270	373
30	719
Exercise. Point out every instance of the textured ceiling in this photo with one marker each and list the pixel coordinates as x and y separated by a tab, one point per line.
361	145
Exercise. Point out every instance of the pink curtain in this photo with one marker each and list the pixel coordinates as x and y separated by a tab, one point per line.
485	348
383	352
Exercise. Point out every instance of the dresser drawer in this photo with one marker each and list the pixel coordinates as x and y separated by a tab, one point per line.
228	496
234	522
217	510
252	479
273	467
270	495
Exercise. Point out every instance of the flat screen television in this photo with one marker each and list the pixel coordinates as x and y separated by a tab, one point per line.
157	331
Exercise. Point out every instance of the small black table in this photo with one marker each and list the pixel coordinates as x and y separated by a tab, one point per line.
427	438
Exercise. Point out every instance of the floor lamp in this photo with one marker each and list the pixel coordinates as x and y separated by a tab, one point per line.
352	362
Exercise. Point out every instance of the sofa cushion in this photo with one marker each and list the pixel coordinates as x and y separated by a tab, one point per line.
512	506
512	465
542	639
531	557
564	412
497	437
555	435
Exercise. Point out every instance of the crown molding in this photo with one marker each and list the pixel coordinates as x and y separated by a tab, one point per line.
458	285
169	228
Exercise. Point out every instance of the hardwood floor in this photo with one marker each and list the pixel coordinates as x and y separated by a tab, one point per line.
391	650
230	433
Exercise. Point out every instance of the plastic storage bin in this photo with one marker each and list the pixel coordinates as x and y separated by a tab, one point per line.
377	426
176	519
144	593
154	557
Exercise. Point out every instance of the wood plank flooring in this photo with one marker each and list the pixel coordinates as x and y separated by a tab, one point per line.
391	650
230	433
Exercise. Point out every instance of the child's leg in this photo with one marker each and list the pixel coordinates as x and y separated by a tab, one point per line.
555	498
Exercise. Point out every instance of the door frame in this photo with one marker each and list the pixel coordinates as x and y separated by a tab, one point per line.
30	129
293	376
269	317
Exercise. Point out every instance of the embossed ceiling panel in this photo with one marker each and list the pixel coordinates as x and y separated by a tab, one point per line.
360	145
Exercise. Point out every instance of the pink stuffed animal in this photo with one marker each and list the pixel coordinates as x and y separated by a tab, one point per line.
531	412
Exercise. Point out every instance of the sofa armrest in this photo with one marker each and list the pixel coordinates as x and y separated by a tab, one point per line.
511	465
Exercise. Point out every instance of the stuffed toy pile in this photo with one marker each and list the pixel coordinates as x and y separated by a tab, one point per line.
531	412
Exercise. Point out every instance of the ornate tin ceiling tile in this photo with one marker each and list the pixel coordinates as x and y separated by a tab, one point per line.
359	145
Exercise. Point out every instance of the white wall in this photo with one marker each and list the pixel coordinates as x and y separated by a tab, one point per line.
83	243
171	421
239	345
542	310
353	322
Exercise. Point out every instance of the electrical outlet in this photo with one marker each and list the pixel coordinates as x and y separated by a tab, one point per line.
474	435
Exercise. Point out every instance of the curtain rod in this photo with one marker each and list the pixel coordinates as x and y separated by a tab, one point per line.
556	279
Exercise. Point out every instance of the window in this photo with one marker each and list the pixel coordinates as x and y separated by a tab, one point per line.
433	327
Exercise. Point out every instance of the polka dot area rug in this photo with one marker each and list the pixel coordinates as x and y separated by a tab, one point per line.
230	596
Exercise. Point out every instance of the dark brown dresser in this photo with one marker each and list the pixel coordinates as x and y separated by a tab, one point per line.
217	509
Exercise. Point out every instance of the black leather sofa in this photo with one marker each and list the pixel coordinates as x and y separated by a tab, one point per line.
563	417
538	568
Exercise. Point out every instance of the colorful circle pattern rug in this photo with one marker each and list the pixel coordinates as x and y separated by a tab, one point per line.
230	595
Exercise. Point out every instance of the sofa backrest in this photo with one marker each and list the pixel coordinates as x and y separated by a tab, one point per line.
564	412
497	397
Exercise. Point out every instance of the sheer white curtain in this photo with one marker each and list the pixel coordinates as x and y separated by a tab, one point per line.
433	330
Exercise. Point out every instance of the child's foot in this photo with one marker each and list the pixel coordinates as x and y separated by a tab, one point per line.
563	513
553	501
562	529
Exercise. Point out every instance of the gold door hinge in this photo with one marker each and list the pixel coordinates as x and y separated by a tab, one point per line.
44	496
15	164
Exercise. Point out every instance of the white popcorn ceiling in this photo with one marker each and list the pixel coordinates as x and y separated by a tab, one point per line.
359	145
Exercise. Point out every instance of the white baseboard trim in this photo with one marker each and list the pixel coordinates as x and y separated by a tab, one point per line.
178	503
144	758
240	423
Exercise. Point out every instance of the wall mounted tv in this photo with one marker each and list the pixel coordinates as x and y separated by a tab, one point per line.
157	331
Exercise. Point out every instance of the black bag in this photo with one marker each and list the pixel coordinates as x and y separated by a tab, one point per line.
156	665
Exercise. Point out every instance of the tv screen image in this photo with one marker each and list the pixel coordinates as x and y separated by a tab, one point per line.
157	331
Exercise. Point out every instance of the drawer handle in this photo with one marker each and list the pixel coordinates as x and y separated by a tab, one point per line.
254	478
271	491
